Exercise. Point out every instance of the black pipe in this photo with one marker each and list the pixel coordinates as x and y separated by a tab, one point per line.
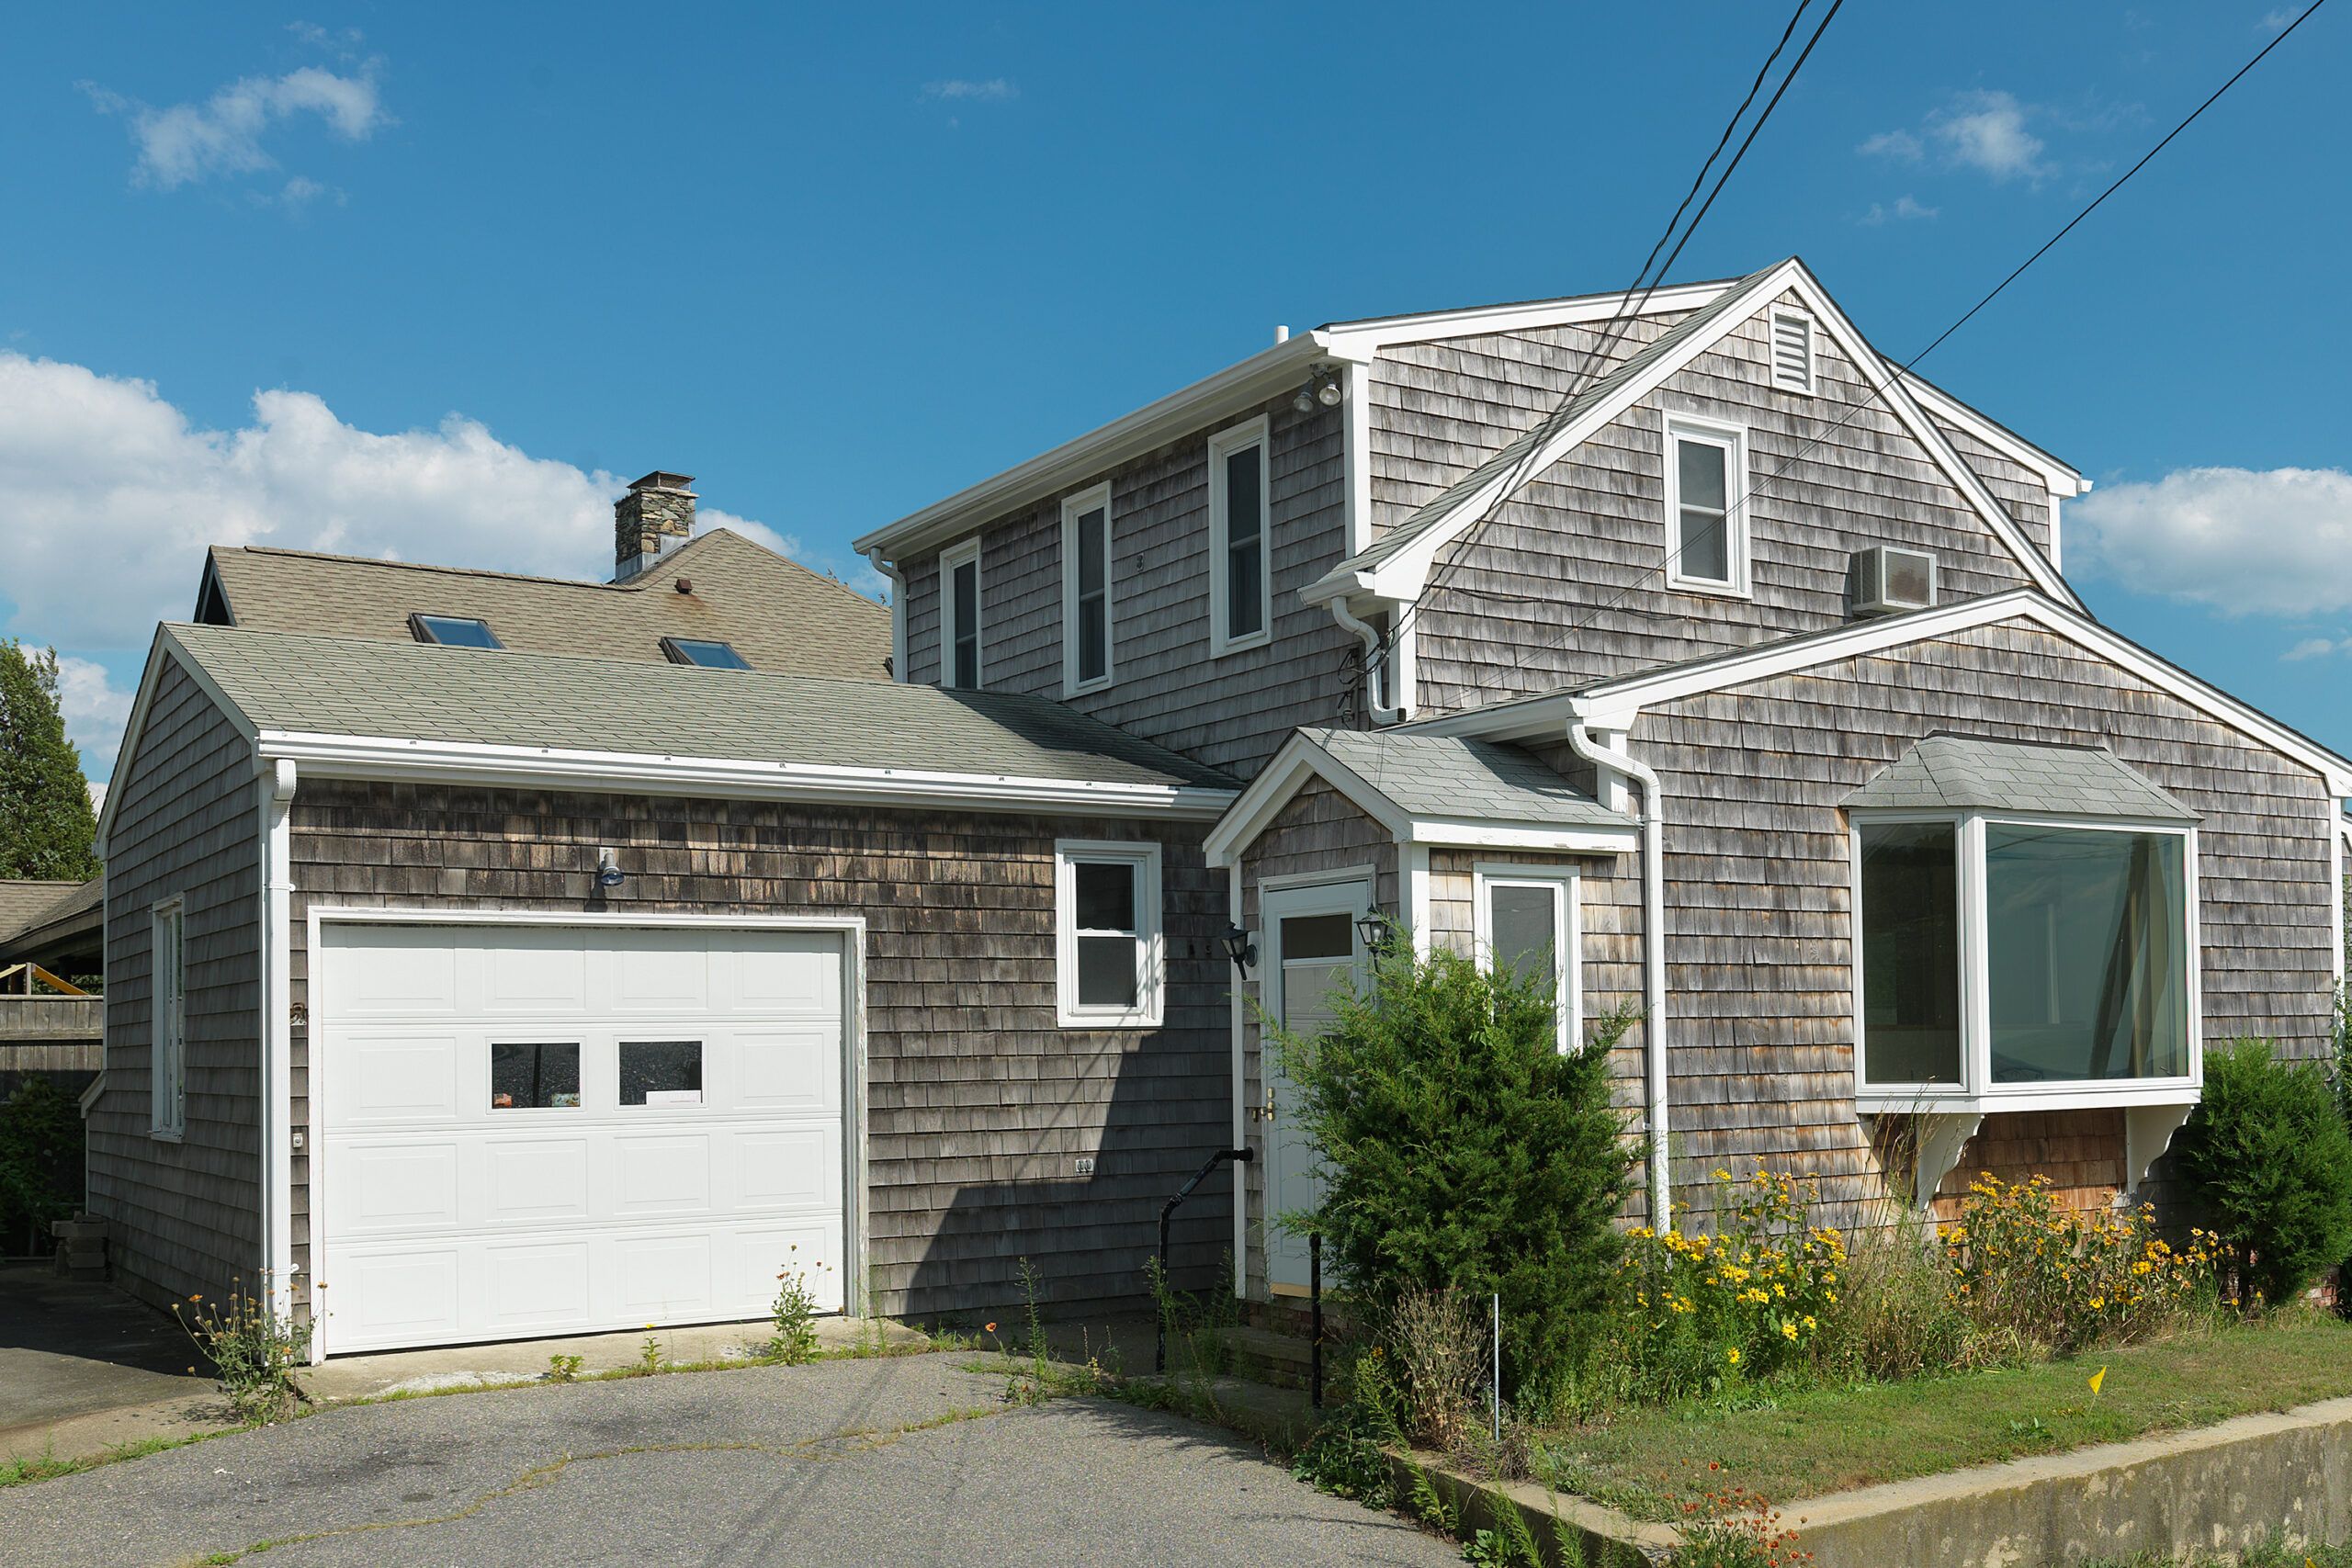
1315	1318
1167	1212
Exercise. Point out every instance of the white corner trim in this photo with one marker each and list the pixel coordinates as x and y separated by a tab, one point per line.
524	767
277	785
1095	498
1413	894
1357	449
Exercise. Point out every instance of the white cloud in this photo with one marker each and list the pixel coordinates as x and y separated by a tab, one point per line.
1905	209
2242	541
2276	21
995	90
2317	647
1981	130
223	135
95	711
99	796
114	495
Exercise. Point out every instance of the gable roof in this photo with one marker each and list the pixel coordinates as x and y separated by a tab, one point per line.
25	903
1957	772
782	618
71	926
1616	702
354	707
1427	789
1397	565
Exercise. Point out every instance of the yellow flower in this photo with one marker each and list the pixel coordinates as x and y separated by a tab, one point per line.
1731	1355
1788	1329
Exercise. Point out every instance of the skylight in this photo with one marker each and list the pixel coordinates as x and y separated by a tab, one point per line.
453	631
709	655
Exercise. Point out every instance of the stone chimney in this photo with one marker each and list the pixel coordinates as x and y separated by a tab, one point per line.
658	506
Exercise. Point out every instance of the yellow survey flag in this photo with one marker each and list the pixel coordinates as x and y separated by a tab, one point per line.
2097	1378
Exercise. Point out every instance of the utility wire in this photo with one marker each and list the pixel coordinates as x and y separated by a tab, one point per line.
1675	551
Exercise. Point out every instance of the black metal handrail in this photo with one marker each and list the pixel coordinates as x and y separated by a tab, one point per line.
1167	1212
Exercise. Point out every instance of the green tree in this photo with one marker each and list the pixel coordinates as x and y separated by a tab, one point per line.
46	824
1463	1150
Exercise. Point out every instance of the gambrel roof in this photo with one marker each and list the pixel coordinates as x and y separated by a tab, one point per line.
1397	565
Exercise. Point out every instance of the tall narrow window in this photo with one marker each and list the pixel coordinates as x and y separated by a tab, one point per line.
1525	922
1086	591
1241	590
167	1065
1706	479
1107	934
959	616
1911	952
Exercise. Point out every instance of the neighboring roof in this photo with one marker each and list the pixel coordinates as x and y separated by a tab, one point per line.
1519	452
1427	789
69	926
1616	702
1954	772
782	618
443	701
1437	775
29	903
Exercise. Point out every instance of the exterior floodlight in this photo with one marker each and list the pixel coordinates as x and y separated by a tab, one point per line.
608	870
1331	392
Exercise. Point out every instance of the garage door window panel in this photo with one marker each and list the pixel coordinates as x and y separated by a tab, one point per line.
534	1075
660	1072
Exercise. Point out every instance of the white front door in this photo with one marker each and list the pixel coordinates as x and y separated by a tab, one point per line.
531	1130
1311	933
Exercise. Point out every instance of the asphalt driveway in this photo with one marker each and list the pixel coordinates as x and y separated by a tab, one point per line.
907	1460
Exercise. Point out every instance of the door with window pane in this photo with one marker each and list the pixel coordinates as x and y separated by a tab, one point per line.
1313	954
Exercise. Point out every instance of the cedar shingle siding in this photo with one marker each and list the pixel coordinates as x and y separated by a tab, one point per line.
977	1103
1230	713
186	1215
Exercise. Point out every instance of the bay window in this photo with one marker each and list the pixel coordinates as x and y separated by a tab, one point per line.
2023	960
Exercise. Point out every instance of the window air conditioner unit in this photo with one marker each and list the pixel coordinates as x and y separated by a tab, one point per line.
1888	580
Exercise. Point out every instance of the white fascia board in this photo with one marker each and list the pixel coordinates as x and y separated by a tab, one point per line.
1457	833
522	767
2055	473
165	647
2085	1096
1365	339
1298	760
1089	456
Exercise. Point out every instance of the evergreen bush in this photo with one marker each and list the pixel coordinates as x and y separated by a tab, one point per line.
1463	1151
2267	1156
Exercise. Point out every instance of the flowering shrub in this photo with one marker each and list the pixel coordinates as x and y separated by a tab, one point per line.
795	1339
1737	1529
2054	1277
1744	1301
255	1348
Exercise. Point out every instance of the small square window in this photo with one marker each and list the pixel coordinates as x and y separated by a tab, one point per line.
709	655
660	1072
453	631
535	1075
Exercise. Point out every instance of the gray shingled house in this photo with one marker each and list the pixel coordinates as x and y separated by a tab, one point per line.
1708	663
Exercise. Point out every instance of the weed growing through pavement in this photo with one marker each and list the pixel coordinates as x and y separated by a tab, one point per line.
795	1339
564	1369
254	1348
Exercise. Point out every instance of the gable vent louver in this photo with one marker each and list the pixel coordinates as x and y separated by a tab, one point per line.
1791	351
1888	580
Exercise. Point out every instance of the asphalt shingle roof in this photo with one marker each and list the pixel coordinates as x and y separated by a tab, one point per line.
411	691
27	904
1955	772
782	618
1451	776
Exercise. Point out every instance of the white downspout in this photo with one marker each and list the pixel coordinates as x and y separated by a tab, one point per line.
1617	761
277	783
1373	659
898	611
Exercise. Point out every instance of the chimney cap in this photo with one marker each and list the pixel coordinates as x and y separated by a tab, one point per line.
659	480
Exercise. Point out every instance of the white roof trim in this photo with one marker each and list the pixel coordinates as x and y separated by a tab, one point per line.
2062	480
524	767
165	645
1263	375
1367	338
1403	575
1301	758
1615	704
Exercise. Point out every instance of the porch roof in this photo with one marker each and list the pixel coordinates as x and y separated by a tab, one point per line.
1957	772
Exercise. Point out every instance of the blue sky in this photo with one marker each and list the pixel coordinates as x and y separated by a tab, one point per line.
426	280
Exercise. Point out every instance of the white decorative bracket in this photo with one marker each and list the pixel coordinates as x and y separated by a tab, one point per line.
2147	1133
1942	1137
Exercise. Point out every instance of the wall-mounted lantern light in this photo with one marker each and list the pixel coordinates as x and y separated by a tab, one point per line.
1239	947
1373	931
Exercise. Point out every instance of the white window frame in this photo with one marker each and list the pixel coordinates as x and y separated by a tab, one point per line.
1151	926
1976	1092
1733	440
1568	935
1097	498
1812	351
950	633
1223	444
167	1021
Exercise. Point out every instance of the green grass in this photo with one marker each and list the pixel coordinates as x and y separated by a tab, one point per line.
1803	1443
17	1470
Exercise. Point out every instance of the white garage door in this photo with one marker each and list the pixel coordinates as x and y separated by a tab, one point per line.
532	1130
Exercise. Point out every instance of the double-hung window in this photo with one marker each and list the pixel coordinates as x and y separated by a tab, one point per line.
167	1005
1706	506
1107	936
959	616
1525	923
1242	605
2028	960
1086	591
